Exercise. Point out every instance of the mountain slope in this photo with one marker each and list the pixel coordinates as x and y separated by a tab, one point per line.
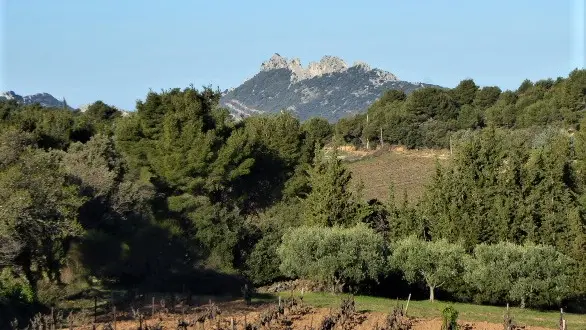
328	88
44	99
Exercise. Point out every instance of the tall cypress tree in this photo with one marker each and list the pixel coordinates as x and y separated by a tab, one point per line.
331	200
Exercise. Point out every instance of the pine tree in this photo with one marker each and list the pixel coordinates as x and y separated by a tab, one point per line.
465	92
331	200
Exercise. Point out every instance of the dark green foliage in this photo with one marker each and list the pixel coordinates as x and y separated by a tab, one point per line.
465	92
100	111
431	103
177	192
486	97
16	297
337	257
490	191
151	196
39	204
470	117
435	264
262	263
428	116
574	91
449	318
525	86
502	272
392	95
376	215
278	151
350	129
8	108
317	132
98	118
331	200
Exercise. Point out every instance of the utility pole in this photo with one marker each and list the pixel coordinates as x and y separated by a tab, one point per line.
367	142
382	143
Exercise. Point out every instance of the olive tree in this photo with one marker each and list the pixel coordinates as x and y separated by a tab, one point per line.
434	263
532	275
333	256
545	276
492	270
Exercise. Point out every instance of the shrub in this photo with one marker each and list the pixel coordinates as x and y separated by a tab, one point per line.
333	256
532	275
16	298
14	288
449	318
437	263
262	266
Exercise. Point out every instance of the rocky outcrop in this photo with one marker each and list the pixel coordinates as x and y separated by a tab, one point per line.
328	88
327	65
44	99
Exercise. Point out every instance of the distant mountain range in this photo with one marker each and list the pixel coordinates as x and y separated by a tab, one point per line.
44	99
328	88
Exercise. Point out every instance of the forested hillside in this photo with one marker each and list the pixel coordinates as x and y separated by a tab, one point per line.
178	194
429	116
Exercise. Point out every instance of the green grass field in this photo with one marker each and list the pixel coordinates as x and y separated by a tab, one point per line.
468	312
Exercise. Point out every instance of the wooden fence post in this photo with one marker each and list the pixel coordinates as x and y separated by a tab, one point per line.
53	325
95	308
407	306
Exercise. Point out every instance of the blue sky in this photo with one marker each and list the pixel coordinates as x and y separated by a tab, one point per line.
116	50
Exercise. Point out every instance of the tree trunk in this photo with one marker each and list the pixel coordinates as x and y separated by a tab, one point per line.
431	294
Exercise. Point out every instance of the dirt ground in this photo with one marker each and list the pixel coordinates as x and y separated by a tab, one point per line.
296	317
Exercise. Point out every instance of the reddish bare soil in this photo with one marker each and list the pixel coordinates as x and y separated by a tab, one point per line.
297	317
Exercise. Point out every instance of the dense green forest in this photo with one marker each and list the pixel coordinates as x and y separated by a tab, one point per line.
428	117
178	194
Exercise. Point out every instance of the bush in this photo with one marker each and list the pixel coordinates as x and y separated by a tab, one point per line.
262	266
16	297
531	275
14	288
334	256
262	263
437	263
450	318
491	271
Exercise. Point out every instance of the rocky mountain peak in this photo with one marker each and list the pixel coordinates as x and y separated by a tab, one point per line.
328	88
44	99
361	65
10	95
327	64
275	62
